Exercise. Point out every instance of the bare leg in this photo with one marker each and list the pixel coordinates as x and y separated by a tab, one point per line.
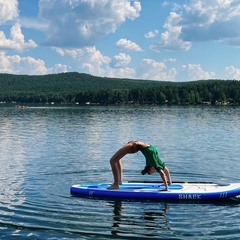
167	172
120	177
116	163
116	173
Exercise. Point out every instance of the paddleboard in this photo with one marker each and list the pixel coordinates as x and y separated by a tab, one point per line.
180	192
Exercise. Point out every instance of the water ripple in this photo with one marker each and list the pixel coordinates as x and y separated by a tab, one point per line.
46	150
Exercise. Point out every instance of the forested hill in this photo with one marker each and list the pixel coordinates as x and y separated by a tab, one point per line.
69	82
81	88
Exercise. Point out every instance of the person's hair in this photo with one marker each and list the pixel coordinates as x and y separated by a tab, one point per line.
145	170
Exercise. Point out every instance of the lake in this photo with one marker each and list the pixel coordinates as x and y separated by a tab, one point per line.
45	150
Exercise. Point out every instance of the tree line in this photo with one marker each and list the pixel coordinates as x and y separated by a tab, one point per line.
72	88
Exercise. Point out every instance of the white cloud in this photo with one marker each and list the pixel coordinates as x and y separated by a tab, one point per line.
16	41
58	68
82	23
127	45
232	73
170	39
33	23
169	60
204	20
121	60
88	60
152	70
195	72
165	3
8	10
205	12
200	20
120	72
27	65
151	34
17	65
91	61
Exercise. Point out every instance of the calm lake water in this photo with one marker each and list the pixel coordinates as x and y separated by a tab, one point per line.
45	150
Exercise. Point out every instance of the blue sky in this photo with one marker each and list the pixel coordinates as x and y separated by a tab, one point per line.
145	39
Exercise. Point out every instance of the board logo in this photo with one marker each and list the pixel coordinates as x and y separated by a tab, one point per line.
189	196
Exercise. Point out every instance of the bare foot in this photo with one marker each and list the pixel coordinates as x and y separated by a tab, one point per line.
163	190
113	186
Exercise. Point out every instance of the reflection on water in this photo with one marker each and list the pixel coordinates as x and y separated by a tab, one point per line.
145	222
44	150
12	171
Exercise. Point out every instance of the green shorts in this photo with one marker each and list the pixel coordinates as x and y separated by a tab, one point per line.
152	158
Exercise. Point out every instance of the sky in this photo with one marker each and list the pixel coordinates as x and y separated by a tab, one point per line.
181	40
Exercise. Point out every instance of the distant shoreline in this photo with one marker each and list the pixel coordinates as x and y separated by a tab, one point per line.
84	89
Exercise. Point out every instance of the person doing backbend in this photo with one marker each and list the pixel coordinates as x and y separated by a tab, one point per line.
153	163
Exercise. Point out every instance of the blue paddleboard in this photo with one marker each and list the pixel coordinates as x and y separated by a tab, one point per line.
153	191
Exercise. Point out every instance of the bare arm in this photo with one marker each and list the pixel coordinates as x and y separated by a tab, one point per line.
163	176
